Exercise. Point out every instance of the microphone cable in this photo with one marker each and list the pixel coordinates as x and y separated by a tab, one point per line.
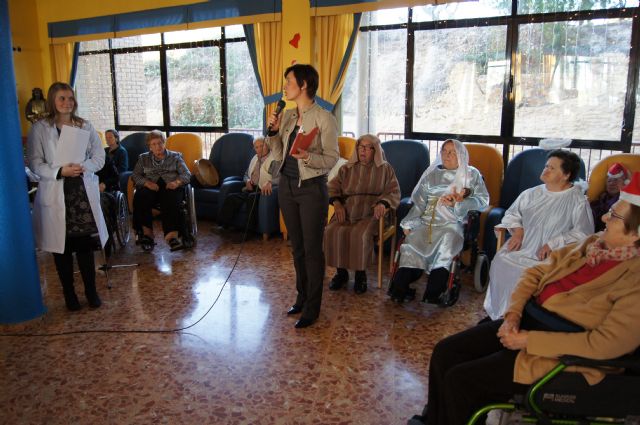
152	331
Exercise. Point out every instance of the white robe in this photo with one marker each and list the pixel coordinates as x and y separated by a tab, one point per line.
553	218
436	237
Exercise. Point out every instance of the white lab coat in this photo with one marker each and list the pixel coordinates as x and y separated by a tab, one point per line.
48	216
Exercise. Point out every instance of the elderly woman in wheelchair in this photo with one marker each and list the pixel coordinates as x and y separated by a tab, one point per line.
582	301
159	177
433	228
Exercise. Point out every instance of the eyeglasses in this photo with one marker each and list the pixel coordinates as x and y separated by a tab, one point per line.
614	214
366	147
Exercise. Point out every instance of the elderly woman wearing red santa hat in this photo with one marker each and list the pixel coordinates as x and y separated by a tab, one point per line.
617	178
592	286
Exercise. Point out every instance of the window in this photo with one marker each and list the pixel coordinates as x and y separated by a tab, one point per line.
373	96
245	100
194	86
94	91
200	81
504	72
571	79
461	10
458	80
139	92
550	6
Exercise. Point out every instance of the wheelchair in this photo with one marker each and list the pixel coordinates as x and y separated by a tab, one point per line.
469	260
118	219
565	398
188	227
476	262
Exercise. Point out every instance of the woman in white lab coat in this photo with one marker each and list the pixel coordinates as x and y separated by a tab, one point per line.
66	211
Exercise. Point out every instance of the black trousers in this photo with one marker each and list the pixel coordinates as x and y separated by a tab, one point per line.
305	210
83	247
145	199
233	205
469	370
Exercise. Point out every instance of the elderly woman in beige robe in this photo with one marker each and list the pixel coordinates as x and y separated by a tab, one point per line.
364	189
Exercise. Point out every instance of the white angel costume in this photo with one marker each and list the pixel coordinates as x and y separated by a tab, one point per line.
436	235
552	218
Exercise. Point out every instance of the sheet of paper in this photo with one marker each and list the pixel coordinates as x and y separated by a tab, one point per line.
72	146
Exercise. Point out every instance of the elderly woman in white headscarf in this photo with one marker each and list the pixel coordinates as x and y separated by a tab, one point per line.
433	228
363	190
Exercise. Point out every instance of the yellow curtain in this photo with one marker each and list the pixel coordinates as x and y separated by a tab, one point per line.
62	55
268	37
332	37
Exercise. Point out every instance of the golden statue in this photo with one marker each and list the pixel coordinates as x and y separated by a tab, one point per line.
36	107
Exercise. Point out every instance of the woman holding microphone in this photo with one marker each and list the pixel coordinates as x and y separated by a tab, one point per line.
303	195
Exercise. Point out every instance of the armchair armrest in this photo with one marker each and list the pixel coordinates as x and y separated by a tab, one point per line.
230	187
501	234
629	361
232	179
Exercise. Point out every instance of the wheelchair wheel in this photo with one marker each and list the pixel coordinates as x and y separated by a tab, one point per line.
481	273
190	223
123	219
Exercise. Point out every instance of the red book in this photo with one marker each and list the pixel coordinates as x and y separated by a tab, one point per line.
303	141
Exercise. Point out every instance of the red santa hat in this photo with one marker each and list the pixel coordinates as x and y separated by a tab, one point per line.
618	170
631	192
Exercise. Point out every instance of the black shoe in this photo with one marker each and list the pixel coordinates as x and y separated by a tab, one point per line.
339	280
294	309
147	243
175	244
303	323
410	295
219	230
360	284
401	293
94	300
436	285
71	301
417	420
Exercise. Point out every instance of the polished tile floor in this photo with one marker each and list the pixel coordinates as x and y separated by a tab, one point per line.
238	359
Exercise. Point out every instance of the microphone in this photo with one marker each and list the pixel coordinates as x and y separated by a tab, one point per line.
279	107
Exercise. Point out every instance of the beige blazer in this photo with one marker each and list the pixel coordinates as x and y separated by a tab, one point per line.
608	307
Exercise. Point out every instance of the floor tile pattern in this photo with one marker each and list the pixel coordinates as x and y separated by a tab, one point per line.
364	361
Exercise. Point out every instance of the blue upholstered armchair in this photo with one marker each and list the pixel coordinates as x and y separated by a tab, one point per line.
522	173
409	159
230	155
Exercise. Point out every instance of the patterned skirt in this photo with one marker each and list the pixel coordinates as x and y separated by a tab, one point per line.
79	217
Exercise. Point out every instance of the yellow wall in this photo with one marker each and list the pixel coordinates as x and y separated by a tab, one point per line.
27	63
296	20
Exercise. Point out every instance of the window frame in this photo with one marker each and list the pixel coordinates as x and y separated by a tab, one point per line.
513	22
164	83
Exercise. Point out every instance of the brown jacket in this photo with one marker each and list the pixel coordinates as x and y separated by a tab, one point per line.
608	307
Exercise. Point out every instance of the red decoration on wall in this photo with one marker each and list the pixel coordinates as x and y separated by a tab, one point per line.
294	41
293	62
